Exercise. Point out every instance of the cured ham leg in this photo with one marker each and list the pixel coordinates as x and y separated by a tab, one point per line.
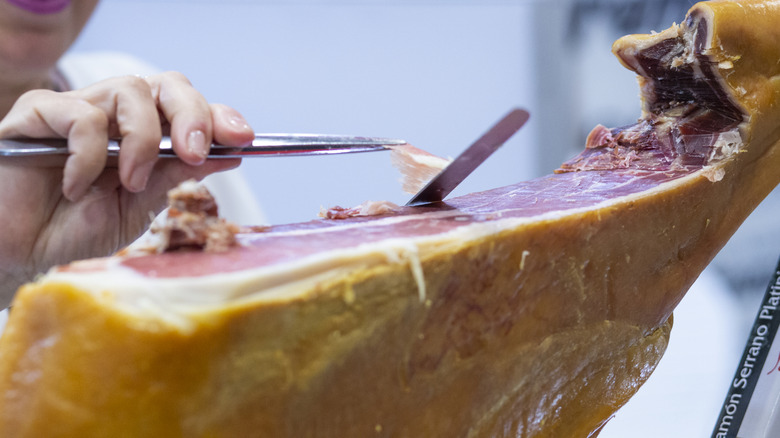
531	310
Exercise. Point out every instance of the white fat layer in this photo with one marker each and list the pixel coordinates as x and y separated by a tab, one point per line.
182	301
689	57
727	144
411	253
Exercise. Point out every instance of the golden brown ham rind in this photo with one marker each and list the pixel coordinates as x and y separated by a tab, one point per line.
542	325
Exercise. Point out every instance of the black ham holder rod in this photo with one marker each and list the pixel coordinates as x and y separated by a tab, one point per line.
752	406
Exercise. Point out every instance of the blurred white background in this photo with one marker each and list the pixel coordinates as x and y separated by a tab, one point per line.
437	74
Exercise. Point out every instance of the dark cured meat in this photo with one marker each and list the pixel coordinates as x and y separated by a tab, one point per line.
687	112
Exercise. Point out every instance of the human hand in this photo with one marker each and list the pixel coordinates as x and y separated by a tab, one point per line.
56	213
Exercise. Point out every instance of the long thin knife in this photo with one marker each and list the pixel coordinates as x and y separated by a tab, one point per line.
462	166
264	145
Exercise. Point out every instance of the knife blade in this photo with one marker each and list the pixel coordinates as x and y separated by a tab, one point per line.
442	184
264	145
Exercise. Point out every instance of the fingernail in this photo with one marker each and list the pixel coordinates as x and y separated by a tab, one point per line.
196	145
140	177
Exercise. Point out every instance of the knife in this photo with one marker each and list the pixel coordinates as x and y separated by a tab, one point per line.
462	166
264	145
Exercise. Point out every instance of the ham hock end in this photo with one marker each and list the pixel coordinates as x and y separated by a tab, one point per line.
532	310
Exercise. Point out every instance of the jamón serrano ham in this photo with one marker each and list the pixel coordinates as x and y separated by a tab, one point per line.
530	310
